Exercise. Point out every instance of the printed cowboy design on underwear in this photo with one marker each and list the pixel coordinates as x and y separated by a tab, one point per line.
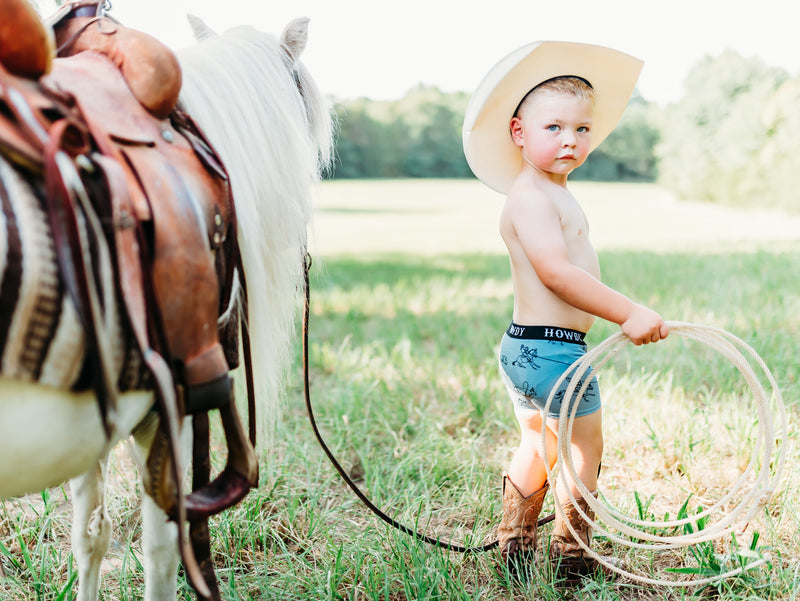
526	357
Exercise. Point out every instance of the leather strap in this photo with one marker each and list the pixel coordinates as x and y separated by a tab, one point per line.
131	253
343	473
198	529
248	360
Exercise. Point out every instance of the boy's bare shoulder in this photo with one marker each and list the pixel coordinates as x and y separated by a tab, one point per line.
526	198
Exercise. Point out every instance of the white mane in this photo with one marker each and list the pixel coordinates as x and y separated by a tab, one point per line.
242	89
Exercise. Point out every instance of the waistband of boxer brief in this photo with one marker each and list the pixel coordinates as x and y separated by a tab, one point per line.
545	333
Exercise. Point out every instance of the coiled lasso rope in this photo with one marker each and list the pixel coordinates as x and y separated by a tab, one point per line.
753	498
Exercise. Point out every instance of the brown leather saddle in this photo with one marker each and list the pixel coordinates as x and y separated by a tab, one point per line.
96	128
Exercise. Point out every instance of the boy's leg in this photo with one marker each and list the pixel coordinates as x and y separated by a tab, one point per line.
526	468
524	489
587	451
565	550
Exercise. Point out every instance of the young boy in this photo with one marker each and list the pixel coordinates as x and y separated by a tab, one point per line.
533	120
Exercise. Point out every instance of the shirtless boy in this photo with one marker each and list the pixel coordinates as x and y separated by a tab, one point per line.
534	119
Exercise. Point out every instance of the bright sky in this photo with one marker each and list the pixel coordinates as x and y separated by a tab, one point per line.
381	49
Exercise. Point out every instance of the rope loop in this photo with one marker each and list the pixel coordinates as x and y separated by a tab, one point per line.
767	468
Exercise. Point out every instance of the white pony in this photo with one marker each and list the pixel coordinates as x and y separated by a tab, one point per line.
266	118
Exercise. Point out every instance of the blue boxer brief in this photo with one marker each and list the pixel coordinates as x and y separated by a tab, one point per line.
533	358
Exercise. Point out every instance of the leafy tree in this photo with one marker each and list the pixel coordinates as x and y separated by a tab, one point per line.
777	165
436	150
712	137
628	152
356	132
368	146
420	136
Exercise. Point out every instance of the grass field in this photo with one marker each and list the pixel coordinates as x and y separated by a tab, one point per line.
411	292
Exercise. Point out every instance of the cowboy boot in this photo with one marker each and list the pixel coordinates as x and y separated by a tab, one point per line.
518	528
566	554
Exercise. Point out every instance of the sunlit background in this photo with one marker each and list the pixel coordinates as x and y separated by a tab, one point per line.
380	50
695	211
713	116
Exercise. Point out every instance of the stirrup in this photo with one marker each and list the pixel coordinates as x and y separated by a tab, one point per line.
239	476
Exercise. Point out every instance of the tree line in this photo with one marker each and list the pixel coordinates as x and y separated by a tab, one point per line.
727	139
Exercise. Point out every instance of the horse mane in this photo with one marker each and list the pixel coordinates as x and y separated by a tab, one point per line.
272	128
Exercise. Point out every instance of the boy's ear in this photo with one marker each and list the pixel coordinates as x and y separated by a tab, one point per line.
516	130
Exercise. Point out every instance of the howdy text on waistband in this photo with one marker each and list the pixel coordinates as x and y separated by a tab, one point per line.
545	333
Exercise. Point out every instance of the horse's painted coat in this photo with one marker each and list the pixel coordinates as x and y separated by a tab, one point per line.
272	129
54	436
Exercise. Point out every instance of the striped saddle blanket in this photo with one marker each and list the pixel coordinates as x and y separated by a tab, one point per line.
116	230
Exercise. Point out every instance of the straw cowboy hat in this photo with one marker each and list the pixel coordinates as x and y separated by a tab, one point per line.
490	151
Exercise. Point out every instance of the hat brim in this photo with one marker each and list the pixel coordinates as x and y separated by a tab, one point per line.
491	153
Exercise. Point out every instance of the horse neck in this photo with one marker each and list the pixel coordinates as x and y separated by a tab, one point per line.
239	90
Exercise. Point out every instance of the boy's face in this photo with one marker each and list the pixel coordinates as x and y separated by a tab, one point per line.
554	131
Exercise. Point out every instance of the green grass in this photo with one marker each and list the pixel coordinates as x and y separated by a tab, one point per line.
405	387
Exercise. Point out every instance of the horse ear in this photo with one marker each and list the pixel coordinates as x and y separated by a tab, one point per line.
294	37
200	30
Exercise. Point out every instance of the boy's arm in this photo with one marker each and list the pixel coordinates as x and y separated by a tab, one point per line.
537	225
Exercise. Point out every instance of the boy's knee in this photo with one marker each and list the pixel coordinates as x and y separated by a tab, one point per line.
529	420
587	434
590	447
595	448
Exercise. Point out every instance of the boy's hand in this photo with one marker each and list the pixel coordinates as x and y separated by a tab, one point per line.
644	325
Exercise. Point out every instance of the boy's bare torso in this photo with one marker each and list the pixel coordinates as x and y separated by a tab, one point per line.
534	303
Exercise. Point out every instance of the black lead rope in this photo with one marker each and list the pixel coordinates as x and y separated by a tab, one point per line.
353	486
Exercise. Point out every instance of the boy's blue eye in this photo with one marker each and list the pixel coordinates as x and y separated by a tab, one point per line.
552	127
583	129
